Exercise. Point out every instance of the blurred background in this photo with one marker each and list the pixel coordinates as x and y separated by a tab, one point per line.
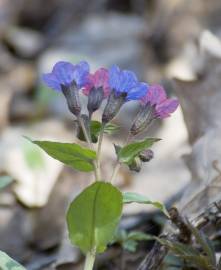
157	39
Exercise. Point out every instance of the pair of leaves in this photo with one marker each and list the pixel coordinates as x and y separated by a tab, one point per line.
95	129
7	263
128	153
129	241
71	154
93	216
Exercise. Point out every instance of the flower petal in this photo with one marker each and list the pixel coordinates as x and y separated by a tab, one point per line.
51	81
114	77
64	72
128	80
165	108
99	79
80	73
137	92
154	95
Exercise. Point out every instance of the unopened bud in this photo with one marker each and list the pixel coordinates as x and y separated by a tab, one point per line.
95	99
135	165
143	119
114	103
72	97
146	155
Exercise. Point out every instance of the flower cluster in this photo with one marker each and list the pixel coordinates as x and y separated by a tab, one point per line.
115	85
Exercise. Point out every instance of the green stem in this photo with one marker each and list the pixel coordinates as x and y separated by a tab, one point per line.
89	262
118	164
99	150
115	172
87	137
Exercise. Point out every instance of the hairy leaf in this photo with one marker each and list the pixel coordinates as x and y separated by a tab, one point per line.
93	216
71	154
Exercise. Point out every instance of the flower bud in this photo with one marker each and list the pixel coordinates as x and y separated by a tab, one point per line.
72	97
143	119
114	103
95	99
135	165
146	155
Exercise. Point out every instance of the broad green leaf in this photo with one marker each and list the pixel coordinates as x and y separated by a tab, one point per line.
71	154
130	197
7	263
93	216
33	156
130	151
5	180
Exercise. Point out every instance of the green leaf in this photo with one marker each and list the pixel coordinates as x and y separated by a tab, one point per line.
188	253
111	128
95	129
93	216
7	263
130	151
71	154
5	181
130	245
205	243
131	197
139	236
33	156
129	241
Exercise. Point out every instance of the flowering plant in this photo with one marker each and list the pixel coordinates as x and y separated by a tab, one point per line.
93	216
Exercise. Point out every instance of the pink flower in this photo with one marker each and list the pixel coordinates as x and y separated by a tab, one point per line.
154	95
162	106
98	80
166	107
97	89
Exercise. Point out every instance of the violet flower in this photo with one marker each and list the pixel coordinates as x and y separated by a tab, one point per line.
124	87
68	78
154	104
157	99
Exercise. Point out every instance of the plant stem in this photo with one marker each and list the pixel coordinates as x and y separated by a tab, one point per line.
115	172
89	262
87	137
118	164
99	150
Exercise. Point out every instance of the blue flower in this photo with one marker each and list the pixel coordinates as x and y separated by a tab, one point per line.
65	73
125	81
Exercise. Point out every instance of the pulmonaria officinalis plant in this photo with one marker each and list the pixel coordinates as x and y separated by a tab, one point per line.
93	216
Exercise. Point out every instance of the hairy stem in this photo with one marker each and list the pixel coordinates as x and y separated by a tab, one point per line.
87	137
118	164
100	140
115	172
89	261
